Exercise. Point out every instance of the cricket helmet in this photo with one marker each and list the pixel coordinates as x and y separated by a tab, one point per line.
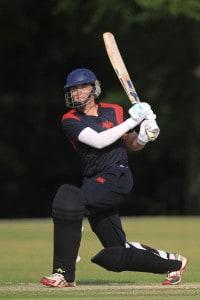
78	77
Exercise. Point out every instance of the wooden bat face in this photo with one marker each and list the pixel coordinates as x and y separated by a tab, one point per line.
119	66
122	73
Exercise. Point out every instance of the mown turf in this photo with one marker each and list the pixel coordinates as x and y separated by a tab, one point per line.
34	291
26	251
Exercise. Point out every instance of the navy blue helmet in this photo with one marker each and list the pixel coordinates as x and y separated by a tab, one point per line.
79	77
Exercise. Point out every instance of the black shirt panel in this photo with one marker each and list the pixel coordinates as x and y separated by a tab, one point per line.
96	161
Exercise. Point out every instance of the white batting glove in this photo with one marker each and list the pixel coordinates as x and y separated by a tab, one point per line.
139	112
146	127
151	116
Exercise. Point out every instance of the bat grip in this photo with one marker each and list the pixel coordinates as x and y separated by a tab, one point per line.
152	134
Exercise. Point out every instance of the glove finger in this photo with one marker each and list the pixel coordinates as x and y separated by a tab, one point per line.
151	116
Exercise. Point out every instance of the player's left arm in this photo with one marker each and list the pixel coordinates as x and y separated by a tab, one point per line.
136	141
131	142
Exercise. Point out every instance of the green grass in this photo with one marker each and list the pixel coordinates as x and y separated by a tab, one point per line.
26	255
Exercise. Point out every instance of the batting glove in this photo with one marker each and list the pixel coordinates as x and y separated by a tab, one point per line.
147	127
140	111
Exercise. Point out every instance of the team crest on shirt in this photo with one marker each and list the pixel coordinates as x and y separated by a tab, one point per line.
100	179
107	124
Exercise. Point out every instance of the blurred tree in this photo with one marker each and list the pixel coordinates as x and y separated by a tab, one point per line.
172	77
42	41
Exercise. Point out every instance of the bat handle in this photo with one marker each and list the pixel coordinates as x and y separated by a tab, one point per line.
152	134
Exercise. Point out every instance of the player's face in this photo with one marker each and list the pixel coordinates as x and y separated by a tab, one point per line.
81	92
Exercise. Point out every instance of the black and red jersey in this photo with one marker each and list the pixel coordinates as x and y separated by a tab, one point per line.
96	161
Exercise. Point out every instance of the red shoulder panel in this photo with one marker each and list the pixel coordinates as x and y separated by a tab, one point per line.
118	111
70	115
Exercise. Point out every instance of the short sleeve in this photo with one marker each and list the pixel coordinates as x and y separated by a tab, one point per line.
118	111
72	124
72	127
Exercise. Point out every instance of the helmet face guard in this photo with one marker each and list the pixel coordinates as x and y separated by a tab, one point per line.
80	77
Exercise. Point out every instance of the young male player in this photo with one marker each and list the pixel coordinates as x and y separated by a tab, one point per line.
100	135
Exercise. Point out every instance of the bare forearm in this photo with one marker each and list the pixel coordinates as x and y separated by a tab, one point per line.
130	140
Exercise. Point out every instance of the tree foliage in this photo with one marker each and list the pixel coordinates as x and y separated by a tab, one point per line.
42	41
129	12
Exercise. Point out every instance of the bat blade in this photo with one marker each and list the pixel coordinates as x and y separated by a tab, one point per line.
122	73
119	66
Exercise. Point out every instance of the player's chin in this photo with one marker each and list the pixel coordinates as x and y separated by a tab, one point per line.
84	104
79	103
81	107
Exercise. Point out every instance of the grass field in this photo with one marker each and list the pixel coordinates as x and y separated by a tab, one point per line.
26	255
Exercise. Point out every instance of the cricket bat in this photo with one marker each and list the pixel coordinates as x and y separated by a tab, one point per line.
122	73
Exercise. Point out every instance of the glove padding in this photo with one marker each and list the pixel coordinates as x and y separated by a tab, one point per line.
151	116
140	111
146	127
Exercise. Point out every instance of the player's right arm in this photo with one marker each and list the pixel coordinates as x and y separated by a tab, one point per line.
100	140
78	131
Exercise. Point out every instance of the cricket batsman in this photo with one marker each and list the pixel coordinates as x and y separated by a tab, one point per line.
100	135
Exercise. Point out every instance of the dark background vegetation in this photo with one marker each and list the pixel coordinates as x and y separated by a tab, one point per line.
41	41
